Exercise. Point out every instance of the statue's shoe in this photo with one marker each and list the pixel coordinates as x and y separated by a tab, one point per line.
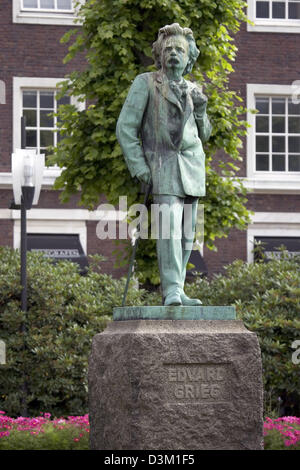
185	300
173	299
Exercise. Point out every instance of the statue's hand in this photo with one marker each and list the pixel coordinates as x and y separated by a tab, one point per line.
199	100
145	176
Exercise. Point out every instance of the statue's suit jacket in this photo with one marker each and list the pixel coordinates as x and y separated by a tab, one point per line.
153	130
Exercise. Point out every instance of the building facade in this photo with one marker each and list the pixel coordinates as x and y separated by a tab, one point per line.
31	65
266	76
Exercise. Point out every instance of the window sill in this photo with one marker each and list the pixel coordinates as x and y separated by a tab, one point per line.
263	26
66	19
266	184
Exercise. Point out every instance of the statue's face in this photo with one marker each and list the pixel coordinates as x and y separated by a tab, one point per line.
175	53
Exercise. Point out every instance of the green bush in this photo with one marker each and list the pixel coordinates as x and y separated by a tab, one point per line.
65	310
267	300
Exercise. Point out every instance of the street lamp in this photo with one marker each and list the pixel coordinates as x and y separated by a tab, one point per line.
27	173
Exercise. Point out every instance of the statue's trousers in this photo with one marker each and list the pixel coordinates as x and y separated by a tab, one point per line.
175	221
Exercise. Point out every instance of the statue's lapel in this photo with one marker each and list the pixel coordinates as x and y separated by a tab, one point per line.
189	106
163	86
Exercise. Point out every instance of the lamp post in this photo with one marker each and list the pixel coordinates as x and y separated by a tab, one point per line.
27	174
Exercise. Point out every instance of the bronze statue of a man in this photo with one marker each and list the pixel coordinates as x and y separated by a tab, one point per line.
161	129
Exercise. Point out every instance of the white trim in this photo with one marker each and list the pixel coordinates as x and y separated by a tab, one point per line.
64	214
272	224
43	17
267	181
52	226
265	25
272	185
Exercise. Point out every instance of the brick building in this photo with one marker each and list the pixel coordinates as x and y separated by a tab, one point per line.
266	71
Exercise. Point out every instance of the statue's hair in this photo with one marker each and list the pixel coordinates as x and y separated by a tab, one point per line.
174	30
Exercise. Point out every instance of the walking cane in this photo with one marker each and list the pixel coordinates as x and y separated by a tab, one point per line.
147	194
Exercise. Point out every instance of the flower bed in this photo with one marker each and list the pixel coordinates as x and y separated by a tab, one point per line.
44	433
282	433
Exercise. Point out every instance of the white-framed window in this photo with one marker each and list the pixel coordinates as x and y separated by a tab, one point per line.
35	99
273	140
47	5
281	228
56	12
38	105
281	16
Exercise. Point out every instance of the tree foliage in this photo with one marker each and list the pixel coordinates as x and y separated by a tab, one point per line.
116	38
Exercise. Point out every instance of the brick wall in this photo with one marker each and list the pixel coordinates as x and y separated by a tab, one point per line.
6	232
105	248
229	249
274	202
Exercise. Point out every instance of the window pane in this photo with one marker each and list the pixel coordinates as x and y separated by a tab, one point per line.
30	116
47	99
29	99
294	162
278	162
278	144
64	4
294	144
46	120
278	106
262	105
294	108
30	138
30	3
294	10
262	9
64	100
278	10
46	138
278	124
262	143
262	162
262	123
294	125
47	4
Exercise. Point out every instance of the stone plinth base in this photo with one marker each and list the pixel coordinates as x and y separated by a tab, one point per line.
175	384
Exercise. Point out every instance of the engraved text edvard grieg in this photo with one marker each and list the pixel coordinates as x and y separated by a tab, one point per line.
197	382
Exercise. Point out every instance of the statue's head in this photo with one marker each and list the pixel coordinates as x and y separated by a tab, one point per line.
184	36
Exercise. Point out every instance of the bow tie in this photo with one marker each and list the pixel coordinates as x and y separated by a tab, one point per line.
178	88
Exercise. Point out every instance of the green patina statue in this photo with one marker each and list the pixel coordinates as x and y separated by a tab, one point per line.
161	129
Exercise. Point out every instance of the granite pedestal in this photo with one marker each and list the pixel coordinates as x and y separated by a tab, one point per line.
190	381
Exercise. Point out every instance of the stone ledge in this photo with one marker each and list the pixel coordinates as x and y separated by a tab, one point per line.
174	313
